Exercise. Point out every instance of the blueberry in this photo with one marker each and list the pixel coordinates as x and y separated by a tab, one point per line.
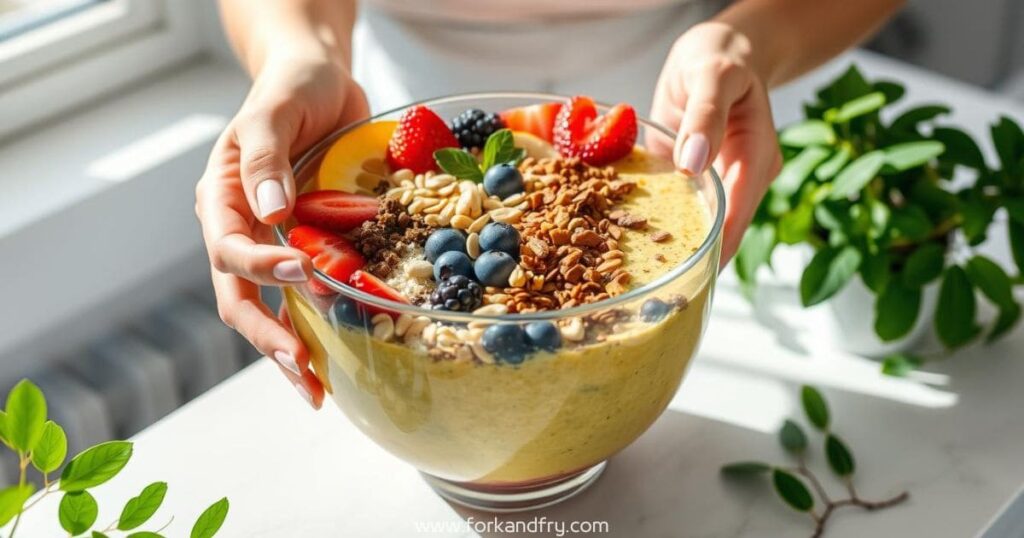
452	263
507	342
654	310
500	236
543	335
346	312
503	180
493	268
444	240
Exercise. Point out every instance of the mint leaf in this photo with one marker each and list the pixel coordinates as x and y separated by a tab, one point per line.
745	468
501	148
954	317
792	437
139	509
814	407
810	132
829	270
95	465
77	512
459	163
210	520
839	457
792	490
896	310
900	364
12	500
26	415
51	449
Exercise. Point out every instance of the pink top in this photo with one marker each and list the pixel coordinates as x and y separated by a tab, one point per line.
515	10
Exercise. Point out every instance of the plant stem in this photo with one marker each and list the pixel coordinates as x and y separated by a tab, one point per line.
830	506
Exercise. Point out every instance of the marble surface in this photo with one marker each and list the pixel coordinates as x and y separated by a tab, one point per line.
952	436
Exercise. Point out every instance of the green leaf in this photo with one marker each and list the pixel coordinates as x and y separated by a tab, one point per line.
857	107
977	217
1017	244
792	490
912	154
95	465
26	415
459	163
755	250
857	174
51	449
954	316
1009	141
77	512
814	407
988	277
900	364
209	521
3	427
139	509
874	271
145	534
1008	317
850	85
908	121
98	534
892	90
911	222
839	457
810	132
924	264
828	169
792	437
12	500
796	170
896	311
745	468
960	147
795	226
829	270
501	148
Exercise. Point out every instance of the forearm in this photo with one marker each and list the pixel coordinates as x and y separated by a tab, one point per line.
786	38
263	29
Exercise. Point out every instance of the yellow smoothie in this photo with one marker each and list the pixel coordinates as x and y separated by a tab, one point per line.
555	413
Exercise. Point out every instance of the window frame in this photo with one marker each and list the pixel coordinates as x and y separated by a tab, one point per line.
51	70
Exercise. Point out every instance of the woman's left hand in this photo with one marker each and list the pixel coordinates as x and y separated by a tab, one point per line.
709	93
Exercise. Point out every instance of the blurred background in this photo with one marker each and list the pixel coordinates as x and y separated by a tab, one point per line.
108	109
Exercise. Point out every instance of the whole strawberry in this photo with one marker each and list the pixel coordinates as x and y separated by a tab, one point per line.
419	134
580	132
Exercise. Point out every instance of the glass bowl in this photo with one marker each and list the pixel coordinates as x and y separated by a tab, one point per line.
499	436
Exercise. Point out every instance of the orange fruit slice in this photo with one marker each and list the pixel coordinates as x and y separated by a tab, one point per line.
355	162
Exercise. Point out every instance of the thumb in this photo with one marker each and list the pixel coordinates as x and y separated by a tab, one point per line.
710	99
266	172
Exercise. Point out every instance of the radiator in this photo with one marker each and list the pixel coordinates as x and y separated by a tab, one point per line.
135	374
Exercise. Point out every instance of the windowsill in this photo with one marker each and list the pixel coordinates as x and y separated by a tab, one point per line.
101	202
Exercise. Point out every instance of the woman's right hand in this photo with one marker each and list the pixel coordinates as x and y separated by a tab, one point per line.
248	187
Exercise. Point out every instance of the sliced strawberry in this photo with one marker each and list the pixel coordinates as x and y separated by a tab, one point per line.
579	132
419	134
363	281
538	120
336	211
331	254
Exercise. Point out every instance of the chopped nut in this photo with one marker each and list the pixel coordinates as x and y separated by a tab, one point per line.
573	330
402	324
508	215
473	245
660	235
587	238
479	223
461	222
383	326
419	269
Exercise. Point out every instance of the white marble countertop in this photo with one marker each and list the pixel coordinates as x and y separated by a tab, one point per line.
954	443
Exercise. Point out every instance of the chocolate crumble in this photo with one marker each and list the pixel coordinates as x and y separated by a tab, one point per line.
382	239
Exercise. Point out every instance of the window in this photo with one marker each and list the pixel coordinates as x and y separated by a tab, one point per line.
56	55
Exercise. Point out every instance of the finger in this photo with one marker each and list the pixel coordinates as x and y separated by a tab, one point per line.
713	90
307	385
264	140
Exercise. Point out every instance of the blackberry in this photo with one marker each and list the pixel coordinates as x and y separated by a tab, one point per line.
457	293
473	126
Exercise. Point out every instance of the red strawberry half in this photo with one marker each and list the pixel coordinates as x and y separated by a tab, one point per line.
419	134
537	120
336	211
579	132
365	282
331	254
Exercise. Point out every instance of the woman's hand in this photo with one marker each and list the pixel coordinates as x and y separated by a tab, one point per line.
711	95
248	187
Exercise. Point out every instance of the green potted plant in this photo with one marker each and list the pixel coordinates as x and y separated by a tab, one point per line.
893	210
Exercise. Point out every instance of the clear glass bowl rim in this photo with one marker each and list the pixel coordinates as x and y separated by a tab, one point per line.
549	315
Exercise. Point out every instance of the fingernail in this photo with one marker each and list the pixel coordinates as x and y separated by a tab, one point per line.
304	393
288	361
290	271
270	197
694	155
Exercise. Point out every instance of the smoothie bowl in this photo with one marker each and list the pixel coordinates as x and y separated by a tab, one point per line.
508	288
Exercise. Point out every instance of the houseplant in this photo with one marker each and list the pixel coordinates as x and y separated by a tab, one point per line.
876	200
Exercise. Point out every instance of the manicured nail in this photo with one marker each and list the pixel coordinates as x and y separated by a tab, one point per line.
288	361
694	155
270	197
304	393
290	271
